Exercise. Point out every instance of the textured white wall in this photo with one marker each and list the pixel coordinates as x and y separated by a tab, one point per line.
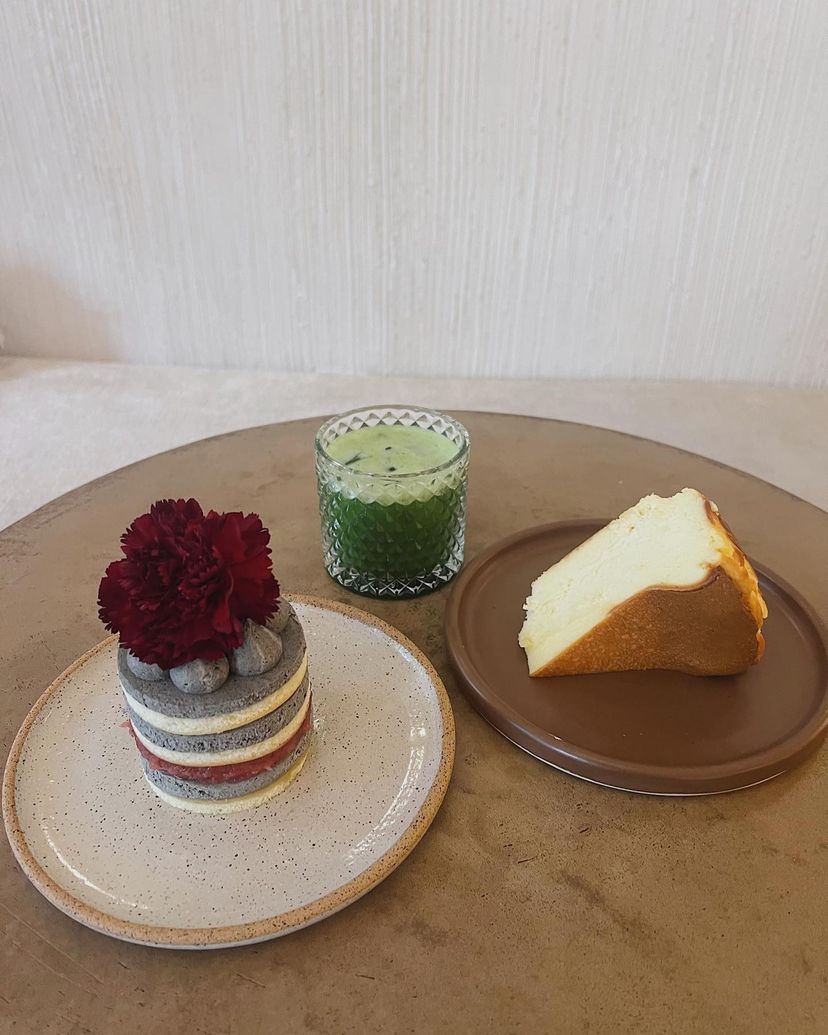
483	187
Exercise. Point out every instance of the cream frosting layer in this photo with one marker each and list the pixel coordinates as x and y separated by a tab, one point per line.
234	755
246	801
220	723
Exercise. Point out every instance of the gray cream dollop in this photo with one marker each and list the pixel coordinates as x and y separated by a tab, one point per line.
200	676
152	673
278	622
259	652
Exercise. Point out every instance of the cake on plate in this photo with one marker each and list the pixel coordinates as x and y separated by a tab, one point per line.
212	661
665	585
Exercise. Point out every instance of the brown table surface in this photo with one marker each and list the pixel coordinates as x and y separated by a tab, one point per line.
536	902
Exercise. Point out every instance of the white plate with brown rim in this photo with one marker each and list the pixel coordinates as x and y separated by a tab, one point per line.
93	838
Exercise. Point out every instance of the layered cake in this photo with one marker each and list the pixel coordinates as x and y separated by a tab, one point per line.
665	585
212	662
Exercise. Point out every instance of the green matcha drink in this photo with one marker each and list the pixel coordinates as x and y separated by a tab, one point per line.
391	449
392	495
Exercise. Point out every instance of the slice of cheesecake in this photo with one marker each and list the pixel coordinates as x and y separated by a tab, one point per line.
665	585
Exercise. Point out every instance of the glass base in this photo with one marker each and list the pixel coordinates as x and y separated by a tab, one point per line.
391	587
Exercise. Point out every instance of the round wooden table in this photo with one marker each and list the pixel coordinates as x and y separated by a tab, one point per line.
536	902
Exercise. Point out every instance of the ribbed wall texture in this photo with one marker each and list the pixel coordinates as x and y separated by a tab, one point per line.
482	187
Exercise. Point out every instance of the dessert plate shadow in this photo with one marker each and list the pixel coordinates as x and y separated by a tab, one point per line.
92	837
652	732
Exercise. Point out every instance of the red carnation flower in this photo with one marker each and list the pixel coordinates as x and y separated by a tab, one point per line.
187	582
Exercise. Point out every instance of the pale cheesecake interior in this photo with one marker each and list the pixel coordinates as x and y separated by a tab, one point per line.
673	542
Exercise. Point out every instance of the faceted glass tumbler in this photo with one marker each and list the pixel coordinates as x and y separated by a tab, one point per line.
393	535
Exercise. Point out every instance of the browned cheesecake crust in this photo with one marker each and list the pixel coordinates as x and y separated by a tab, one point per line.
708	629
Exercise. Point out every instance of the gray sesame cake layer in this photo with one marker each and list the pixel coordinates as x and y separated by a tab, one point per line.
221	791
241	737
237	693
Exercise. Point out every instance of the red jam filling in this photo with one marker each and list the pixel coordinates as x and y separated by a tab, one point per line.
225	773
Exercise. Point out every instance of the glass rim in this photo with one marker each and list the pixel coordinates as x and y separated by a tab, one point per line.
462	448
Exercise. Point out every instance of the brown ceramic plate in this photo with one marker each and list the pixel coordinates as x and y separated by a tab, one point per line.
654	732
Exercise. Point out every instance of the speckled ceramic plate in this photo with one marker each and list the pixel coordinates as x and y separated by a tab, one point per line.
93	838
